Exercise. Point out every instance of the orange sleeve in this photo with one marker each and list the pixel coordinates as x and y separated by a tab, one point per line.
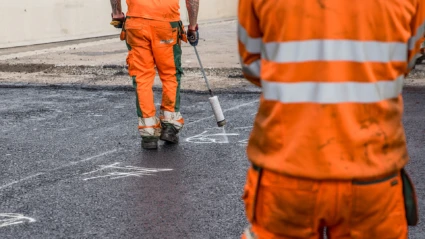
249	41
418	31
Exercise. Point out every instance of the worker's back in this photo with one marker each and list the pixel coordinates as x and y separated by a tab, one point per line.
332	74
162	10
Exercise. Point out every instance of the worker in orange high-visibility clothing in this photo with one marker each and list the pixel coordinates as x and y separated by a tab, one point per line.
328	146
153	32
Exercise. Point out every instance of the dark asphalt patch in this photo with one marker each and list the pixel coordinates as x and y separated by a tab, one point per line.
52	172
25	68
72	166
248	90
106	70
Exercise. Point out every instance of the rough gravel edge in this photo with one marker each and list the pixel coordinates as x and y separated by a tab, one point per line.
416	74
21	85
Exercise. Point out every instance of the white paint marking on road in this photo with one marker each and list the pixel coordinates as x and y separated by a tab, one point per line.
123	172
19	181
224	111
244	142
61	167
225	136
9	219
209	138
84	160
247	127
58	49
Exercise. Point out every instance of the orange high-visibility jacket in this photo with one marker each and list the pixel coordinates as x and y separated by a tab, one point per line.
161	10
331	74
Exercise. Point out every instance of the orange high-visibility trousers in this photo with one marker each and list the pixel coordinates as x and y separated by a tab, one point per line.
155	43
282	207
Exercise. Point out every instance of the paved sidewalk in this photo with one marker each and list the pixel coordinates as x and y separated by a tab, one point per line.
102	61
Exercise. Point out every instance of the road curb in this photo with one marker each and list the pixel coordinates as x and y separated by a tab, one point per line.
230	72
233	90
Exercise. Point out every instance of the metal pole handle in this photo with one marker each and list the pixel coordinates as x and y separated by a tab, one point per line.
203	71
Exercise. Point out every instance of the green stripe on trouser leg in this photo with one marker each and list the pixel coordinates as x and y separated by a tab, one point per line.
179	73
139	111
177	51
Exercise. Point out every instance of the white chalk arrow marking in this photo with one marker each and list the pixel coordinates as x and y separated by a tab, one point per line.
210	137
10	219
114	171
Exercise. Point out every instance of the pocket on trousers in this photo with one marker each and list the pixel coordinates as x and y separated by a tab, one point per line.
286	206
250	193
136	38
129	61
410	199
378	209
165	37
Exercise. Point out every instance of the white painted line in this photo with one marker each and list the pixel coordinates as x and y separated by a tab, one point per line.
58	49
61	167
123	172
84	160
226	138
14	219
242	105
247	127
208	138
224	111
21	180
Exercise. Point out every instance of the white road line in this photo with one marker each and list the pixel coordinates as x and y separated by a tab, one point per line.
84	160
61	167
58	49
14	219
21	180
224	111
247	127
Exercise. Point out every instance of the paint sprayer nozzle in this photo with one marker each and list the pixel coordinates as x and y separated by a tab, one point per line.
221	123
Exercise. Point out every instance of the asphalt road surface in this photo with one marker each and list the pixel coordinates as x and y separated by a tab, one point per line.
72	166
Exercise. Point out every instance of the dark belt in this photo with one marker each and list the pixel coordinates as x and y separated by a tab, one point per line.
356	182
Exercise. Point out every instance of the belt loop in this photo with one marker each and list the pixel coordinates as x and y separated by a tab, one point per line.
256	168
257	189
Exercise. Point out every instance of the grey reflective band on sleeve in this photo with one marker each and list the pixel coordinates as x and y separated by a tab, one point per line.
419	34
335	50
252	45
332	93
252	69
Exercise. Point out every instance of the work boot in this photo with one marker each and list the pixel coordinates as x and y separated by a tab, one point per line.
149	142
169	134
149	129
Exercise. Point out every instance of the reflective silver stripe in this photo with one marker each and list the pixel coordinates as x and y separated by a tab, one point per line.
335	50
412	62
414	39
332	93
249	234
252	69
252	45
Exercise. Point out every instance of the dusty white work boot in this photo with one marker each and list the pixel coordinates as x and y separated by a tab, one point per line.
172	123
150	130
